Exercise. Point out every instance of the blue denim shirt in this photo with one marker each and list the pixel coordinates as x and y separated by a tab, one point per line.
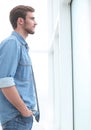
15	69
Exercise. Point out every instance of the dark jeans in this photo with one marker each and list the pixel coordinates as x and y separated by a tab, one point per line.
19	123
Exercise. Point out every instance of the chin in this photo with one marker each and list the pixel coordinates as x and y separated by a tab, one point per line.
32	32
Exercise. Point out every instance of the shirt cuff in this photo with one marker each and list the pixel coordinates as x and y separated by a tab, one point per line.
6	82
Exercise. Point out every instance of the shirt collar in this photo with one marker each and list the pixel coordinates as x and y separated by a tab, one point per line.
21	39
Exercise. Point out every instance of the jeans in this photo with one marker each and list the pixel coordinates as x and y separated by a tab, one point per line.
19	123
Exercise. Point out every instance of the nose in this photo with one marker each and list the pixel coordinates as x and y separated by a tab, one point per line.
36	23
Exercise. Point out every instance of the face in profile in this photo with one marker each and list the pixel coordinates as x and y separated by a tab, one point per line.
30	23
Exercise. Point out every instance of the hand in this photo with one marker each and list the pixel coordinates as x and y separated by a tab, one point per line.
27	113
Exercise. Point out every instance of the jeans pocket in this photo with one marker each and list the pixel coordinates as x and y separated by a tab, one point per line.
24	120
19	123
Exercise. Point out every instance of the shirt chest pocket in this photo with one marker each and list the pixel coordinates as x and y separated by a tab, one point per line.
24	70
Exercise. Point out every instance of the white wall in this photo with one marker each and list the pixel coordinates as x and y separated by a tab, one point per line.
60	66
66	103
72	112
82	63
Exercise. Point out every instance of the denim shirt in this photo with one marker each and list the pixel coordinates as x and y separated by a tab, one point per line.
15	69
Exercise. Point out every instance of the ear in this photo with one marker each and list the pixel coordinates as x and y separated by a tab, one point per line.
20	20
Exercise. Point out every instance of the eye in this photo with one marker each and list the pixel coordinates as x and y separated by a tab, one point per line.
32	18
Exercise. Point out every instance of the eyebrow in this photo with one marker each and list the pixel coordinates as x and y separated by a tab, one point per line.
32	18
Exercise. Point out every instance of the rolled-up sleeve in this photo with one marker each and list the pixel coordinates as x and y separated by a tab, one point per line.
9	57
6	82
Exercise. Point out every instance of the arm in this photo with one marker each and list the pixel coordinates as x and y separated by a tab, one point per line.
9	57
14	98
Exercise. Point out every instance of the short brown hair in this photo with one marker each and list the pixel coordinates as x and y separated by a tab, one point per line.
19	11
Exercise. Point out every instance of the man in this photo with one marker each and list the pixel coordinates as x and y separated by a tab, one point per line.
18	93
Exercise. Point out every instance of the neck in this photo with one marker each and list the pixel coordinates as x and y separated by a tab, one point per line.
22	33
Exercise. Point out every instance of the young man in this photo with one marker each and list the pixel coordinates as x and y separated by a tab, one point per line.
18	93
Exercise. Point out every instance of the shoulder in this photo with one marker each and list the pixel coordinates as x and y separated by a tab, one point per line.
10	43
